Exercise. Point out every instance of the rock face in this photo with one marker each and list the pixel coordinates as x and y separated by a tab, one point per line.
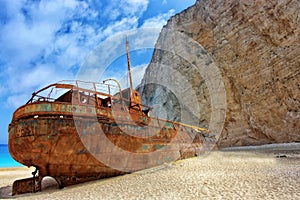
255	46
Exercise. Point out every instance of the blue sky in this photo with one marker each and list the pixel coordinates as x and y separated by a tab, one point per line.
46	41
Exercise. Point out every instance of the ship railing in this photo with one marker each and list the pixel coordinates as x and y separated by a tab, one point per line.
96	87
102	90
105	90
91	89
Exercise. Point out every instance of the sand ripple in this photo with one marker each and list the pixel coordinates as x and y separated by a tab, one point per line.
220	175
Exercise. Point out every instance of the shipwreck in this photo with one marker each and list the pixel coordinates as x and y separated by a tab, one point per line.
66	137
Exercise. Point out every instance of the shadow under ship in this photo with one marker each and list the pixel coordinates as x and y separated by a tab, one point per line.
92	131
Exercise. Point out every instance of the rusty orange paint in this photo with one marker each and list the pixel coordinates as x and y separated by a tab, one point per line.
44	133
78	136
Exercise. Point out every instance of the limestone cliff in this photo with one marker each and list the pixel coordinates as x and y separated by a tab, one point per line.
255	46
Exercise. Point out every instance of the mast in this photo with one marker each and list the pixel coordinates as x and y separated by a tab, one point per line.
135	100
129	66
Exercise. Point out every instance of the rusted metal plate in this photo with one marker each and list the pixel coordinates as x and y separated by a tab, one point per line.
68	137
54	135
28	185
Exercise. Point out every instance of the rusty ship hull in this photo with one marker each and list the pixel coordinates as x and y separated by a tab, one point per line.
85	135
89	130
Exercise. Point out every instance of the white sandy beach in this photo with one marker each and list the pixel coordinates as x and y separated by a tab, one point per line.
219	175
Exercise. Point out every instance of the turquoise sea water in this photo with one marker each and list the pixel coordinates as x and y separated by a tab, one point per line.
5	159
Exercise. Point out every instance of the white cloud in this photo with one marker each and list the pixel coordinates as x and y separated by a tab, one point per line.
134	7
120	26
31	28
137	75
107	52
46	41
36	77
17	100
122	8
34	53
2	89
43	41
158	21
26	40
